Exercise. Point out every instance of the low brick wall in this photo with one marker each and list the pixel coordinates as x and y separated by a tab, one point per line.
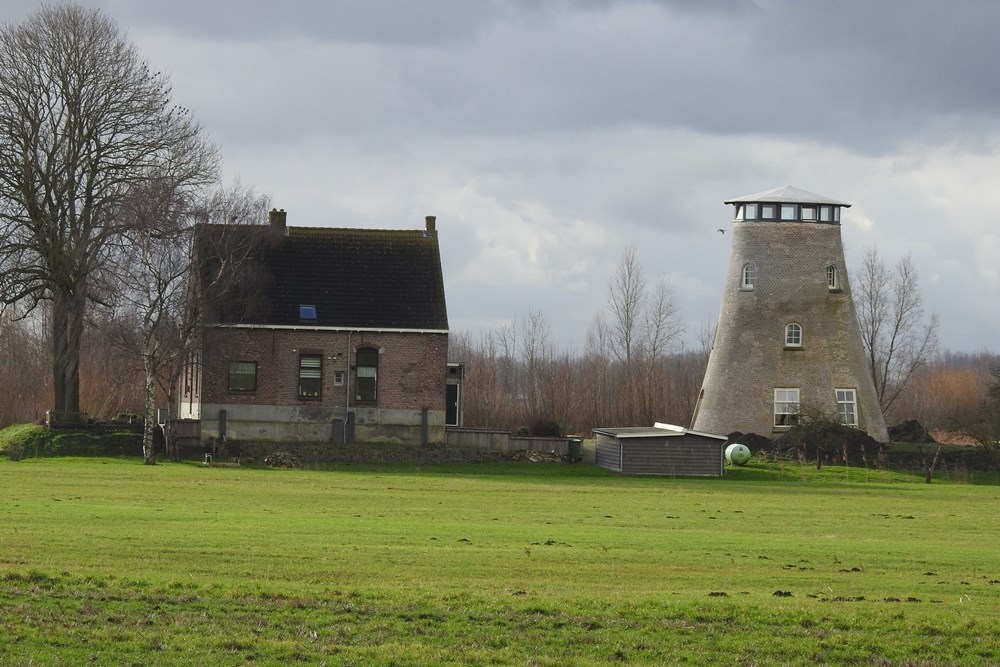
360	453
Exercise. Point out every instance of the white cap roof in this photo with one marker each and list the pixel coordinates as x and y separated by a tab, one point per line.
788	194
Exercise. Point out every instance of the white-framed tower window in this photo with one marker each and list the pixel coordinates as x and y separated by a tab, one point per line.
831	277
786	407
847	406
748	277
793	335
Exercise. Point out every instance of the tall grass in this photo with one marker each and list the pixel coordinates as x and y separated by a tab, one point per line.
110	562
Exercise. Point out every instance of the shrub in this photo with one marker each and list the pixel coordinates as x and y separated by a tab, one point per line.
23	439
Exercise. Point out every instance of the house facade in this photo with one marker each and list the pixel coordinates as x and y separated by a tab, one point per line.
320	335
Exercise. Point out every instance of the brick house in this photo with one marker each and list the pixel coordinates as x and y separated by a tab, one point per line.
321	335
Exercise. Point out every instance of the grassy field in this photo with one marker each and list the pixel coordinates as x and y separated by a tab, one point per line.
108	562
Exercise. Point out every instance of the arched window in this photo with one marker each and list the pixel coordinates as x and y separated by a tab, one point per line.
831	277
367	374
749	276
793	335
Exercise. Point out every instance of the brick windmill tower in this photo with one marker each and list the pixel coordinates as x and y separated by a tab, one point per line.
787	339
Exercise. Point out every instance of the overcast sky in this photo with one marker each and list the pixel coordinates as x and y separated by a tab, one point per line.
548	136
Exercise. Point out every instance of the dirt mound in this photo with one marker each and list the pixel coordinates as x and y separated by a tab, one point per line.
282	460
910	431
529	456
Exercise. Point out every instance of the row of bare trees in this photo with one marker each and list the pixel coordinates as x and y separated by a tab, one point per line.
633	369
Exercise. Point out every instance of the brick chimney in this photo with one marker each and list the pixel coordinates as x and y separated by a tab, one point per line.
278	220
430	223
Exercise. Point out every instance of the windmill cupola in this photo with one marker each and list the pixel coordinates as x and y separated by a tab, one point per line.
787	204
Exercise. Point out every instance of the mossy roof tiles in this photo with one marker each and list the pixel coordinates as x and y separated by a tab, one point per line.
355	278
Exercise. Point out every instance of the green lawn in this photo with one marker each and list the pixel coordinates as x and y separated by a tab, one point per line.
109	562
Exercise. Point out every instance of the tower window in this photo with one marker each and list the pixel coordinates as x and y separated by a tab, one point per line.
750	212
793	335
307	312
824	214
831	277
749	277
768	212
808	213
847	407
789	212
786	407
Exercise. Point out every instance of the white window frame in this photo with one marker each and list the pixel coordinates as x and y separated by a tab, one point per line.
786	407
847	406
832	281
310	371
748	276
793	334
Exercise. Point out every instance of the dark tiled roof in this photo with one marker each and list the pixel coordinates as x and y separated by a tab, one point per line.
356	278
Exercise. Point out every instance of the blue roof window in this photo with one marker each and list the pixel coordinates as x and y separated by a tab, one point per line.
307	312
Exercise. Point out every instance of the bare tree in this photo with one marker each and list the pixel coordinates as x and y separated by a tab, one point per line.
626	296
153	274
898	339
662	324
84	121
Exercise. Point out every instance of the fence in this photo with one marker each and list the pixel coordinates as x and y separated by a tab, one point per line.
503	441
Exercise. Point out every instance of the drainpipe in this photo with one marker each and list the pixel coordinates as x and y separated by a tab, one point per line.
347	384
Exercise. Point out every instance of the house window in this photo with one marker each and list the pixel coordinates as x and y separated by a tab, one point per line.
847	407
793	335
338	378
831	276
307	312
243	376
824	214
789	212
749	276
310	375
367	374
768	212
786	407
750	212
808	213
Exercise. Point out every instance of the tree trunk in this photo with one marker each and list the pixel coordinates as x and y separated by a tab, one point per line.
67	332
148	455
930	463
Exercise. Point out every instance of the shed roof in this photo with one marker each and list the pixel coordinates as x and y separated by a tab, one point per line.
788	194
658	431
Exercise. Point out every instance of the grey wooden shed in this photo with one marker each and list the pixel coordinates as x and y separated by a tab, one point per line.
663	449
